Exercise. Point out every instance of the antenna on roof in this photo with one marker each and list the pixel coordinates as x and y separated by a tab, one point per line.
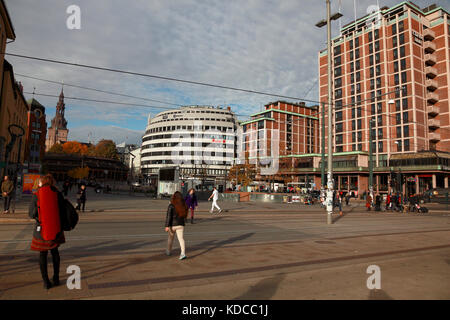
34	88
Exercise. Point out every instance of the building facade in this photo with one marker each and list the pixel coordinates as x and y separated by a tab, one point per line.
58	132
283	133
200	140
391	76
35	136
13	122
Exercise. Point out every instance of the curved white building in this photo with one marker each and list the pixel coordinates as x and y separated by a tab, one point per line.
200	140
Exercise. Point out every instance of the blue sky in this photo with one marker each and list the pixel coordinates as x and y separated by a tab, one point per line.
263	45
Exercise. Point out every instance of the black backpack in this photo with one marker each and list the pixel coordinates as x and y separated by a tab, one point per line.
69	216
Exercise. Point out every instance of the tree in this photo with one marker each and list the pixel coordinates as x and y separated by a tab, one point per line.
56	148
74	147
243	174
106	149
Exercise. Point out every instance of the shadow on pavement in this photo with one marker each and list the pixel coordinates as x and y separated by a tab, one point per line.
215	245
377	294
263	290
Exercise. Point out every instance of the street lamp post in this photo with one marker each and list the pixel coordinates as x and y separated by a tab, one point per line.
330	183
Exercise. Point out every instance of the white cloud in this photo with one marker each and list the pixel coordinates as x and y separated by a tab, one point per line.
117	134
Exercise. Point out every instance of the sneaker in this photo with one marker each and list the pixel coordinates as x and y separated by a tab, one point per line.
220	211
167	252
182	257
210	211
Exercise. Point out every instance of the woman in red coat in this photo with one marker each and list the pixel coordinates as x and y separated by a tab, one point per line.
48	233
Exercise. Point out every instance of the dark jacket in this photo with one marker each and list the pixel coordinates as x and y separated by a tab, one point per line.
191	201
7	186
172	218
33	210
81	195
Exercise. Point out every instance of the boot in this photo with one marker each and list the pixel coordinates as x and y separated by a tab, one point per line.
192	220
44	273
56	263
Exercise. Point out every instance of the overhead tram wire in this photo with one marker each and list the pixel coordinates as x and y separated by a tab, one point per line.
158	77
111	102
97	90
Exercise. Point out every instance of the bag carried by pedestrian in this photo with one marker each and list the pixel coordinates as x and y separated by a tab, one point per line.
69	216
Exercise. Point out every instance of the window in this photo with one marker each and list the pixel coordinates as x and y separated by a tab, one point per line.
359	136
352	66
399	145
401	38
371	70
396	79
353	137
371	48
358	65
406	147
372	84
358	87
400	26
351	44
397	105
404	77
403	64
352	78
394	28
338	71
394	42
380	133
339	116
337	61
370	36
395	66
405	103
377	45
359	112
395	52
371	60
339	139
338	94
351	55
379	107
398	118
358	76
357	53
353	125
405	117
338	83
406	131
378	82
380	146
337	50
377	34
377	57
402	51
380	120
378	68
372	109
357	42
399	132
359	123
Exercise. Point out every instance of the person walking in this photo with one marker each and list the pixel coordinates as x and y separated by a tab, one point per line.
215	197
368	201
45	208
81	197
175	221
191	202
339	200
7	192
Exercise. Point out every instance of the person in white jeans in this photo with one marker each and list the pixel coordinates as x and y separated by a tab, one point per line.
175	222
215	197
179	230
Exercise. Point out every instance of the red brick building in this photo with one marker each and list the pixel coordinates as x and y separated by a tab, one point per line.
35	136
298	129
392	68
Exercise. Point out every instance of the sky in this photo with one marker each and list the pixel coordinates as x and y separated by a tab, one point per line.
262	45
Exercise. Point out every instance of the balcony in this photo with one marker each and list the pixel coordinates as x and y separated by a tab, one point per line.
431	72
429	46
430	59
429	34
434	136
431	85
433	110
434	123
432	97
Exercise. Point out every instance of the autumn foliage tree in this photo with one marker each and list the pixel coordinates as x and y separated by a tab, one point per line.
74	147
242	174
56	148
106	149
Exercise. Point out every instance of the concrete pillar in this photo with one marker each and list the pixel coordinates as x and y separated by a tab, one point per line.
417	184
433	180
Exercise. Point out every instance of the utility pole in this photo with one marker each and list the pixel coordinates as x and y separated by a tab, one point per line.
371	158
322	188
330	183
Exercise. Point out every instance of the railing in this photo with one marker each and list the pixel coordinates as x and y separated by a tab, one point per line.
434	123
434	136
430	59
433	110
431	72
432	97
429	34
431	84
